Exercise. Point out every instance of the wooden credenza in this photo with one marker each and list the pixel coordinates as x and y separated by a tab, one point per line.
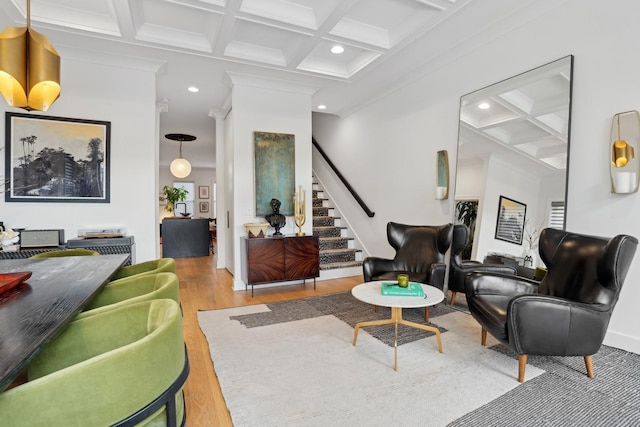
278	259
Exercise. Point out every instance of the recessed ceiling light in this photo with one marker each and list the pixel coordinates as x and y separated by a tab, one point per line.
484	106
337	49
322	107
193	89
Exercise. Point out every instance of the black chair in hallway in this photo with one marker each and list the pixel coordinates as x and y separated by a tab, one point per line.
567	313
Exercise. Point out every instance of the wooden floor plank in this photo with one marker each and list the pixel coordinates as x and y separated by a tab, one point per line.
203	287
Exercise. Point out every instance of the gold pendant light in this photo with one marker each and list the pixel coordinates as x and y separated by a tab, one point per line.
29	68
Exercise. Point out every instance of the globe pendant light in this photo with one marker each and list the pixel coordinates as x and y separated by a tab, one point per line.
29	68
180	167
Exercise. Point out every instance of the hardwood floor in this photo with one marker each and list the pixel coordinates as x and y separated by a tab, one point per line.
203	287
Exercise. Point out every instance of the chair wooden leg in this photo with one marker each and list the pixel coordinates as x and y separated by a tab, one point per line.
484	337
522	364
453	297
588	361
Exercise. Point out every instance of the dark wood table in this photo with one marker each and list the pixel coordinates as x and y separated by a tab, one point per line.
33	313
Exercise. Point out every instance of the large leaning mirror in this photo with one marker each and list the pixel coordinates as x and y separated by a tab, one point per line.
511	174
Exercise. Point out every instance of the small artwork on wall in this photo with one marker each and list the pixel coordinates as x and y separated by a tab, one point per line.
204	206
203	191
510	223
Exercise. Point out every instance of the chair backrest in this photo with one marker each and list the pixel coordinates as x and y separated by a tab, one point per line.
419	246
134	289
458	243
585	268
66	252
148	267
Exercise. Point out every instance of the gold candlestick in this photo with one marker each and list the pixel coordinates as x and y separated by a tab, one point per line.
299	209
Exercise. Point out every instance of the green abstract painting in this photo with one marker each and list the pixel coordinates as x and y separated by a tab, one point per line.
274	171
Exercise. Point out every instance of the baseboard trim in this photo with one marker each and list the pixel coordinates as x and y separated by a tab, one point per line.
622	341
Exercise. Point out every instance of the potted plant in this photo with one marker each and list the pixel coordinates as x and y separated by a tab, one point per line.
173	195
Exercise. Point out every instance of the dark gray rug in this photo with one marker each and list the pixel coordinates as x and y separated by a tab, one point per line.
562	396
565	396
351	311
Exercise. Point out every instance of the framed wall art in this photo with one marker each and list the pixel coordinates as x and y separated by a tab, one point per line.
203	191
204	206
510	222
56	159
274	171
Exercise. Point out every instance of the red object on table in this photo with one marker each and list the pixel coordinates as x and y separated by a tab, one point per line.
11	280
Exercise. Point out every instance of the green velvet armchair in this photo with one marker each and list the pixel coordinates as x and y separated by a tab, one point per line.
134	289
66	252
106	369
147	267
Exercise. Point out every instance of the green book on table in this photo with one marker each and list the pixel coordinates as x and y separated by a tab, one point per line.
392	289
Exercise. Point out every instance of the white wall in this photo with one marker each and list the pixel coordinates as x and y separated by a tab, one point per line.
388	149
126	98
268	110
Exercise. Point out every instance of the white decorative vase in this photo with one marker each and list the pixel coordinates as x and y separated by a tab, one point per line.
528	258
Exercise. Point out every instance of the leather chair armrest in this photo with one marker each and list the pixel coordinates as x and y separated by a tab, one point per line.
543	324
373	266
436	275
485	283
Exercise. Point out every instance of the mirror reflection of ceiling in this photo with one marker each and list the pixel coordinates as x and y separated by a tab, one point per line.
524	120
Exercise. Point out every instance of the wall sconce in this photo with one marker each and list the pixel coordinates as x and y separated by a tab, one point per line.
442	175
625	167
180	167
29	68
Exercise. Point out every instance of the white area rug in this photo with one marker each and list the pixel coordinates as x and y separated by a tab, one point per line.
308	373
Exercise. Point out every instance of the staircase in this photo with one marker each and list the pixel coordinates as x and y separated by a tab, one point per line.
338	256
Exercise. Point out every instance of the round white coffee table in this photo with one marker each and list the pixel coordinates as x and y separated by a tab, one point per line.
371	293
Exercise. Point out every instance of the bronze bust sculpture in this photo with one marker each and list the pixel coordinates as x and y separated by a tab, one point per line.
276	219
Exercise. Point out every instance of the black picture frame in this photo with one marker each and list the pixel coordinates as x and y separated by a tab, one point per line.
56	159
510	222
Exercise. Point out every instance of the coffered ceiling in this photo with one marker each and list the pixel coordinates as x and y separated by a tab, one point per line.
199	42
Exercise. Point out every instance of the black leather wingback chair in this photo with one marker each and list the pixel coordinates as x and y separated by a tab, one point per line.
458	269
567	313
420	253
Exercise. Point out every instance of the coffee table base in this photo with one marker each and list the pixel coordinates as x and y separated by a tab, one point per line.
396	318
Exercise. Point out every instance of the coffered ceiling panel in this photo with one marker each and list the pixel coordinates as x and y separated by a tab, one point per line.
200	41
257	42
97	16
